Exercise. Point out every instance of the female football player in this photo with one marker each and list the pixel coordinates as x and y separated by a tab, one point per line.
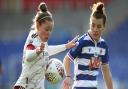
89	55
36	51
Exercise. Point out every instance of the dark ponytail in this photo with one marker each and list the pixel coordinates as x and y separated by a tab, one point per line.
43	7
42	15
98	11
99	8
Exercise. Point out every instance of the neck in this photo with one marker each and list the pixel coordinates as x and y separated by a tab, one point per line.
94	38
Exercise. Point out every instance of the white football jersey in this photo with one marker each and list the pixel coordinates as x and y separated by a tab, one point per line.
33	71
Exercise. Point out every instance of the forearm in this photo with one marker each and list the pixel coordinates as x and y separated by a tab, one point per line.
66	63
56	49
108	81
107	77
30	55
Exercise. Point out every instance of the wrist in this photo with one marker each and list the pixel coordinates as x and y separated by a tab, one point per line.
38	51
66	46
68	76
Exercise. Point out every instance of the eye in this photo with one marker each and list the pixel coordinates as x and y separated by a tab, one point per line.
93	25
48	30
99	26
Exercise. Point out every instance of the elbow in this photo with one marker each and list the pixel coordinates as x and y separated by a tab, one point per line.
66	61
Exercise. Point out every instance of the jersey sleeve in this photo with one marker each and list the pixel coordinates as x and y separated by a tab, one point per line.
29	44
29	48
74	52
54	49
105	58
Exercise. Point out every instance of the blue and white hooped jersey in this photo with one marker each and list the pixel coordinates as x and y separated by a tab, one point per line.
88	56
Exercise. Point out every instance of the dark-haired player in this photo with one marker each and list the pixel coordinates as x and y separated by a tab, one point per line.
89	55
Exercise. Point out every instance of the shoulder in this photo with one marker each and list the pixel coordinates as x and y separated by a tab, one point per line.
31	37
85	40
32	34
103	43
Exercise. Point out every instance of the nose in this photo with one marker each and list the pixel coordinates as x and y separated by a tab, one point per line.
95	29
48	33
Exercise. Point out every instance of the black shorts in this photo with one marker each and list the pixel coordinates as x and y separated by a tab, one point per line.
18	87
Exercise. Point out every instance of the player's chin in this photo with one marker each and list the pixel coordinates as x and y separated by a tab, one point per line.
46	39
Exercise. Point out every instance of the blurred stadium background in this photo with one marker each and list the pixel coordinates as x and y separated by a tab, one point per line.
71	18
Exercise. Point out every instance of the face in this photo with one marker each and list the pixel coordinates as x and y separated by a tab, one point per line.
97	27
44	30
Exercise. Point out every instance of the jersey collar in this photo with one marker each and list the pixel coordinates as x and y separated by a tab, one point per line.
100	39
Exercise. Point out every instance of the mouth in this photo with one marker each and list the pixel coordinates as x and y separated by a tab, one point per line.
95	34
46	38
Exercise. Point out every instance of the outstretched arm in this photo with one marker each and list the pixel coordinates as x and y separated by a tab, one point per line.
54	49
107	76
59	48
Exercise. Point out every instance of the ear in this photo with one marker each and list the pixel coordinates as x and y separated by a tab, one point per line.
104	26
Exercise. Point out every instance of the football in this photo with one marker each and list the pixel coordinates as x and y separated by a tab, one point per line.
54	71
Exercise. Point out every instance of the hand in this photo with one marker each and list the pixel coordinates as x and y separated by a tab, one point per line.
40	48
72	43
67	83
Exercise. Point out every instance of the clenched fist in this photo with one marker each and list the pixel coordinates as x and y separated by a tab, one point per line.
40	48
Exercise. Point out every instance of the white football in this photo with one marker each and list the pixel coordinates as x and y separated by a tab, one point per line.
54	71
